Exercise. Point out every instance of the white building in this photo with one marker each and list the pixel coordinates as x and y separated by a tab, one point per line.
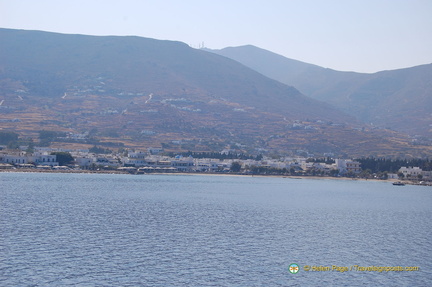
427	175
137	155
183	164
206	165
14	158
37	158
347	165
84	162
414	172
44	159
135	159
410	171
324	167
107	161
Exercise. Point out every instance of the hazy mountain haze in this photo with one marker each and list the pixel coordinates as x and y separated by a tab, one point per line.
56	61
399	99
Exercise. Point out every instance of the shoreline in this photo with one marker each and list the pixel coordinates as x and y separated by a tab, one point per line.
83	171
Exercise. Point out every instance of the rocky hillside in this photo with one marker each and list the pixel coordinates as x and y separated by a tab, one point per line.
139	92
400	99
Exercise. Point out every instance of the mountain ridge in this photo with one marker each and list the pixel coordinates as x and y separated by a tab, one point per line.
378	98
120	54
141	92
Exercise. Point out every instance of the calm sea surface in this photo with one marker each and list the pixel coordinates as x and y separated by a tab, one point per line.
179	230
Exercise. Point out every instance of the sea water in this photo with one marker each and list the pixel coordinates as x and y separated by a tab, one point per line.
197	230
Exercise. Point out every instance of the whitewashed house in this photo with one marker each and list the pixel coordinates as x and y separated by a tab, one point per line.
346	165
414	172
14	159
183	164
43	159
135	159
206	165
84	162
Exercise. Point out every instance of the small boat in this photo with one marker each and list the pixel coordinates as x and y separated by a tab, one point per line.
398	183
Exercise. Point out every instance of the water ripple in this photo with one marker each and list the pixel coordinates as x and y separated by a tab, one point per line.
122	230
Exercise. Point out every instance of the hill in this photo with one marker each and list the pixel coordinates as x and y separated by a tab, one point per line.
398	99
139	92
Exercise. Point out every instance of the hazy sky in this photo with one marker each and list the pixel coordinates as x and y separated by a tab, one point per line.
348	35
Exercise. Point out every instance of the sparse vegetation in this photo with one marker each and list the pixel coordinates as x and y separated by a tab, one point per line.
99	150
7	137
235	166
46	137
382	165
63	158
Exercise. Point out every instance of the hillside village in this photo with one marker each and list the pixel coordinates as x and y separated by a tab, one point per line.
155	161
